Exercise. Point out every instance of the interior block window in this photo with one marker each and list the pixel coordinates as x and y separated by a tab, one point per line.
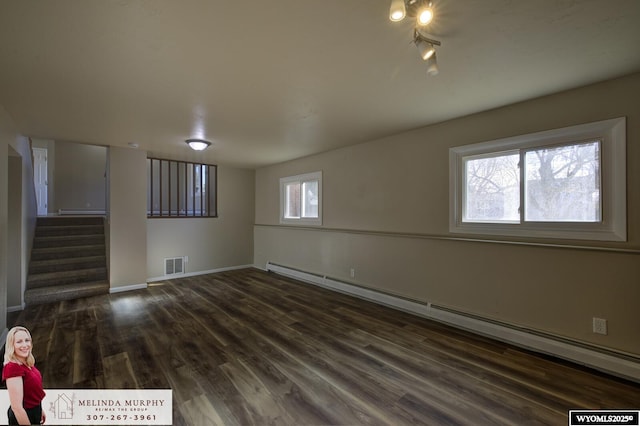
300	199
566	183
181	189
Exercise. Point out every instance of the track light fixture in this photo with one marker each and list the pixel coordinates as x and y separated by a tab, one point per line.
198	144
425	45
398	10
423	12
432	65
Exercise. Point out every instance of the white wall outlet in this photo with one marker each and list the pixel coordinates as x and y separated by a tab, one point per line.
599	325
352	273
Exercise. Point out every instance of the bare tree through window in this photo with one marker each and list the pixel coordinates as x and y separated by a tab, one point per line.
563	183
492	189
560	184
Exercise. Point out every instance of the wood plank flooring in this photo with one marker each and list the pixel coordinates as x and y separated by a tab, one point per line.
252	348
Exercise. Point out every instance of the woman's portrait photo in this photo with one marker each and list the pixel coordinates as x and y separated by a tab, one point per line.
24	381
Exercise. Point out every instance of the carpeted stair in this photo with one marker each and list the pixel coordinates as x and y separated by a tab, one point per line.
68	259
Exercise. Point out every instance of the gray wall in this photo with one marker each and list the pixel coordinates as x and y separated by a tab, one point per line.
210	243
127	230
386	210
79	177
7	133
16	226
138	246
14	255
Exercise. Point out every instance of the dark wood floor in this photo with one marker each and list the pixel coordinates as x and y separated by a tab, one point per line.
252	348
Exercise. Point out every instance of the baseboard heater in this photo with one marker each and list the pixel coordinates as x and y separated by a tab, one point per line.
62	212
618	364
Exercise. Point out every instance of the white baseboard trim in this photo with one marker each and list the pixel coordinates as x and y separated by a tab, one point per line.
601	359
79	212
193	274
121	289
15	308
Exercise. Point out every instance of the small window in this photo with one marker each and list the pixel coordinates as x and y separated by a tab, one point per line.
181	189
300	199
566	183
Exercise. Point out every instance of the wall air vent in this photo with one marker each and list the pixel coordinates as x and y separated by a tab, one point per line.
174	266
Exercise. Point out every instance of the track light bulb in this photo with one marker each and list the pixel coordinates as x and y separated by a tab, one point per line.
425	48
425	15
398	11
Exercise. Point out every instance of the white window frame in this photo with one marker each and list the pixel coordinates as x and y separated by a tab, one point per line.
303	221
613	225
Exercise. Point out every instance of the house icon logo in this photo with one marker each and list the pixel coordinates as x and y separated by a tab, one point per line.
62	407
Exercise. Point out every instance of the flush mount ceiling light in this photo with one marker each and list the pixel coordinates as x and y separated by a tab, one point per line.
198	144
423	12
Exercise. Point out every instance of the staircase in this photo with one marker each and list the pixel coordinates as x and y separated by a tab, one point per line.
68	259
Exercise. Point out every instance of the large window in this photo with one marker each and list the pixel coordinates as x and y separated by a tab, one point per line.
566	183
300	199
181	189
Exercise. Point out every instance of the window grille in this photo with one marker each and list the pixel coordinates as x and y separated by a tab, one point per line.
181	189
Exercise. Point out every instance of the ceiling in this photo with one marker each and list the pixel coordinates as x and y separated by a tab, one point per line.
272	81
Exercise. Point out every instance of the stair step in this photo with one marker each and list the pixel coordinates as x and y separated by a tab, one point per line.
66	264
66	277
47	253
50	231
68	259
69	240
70	220
56	293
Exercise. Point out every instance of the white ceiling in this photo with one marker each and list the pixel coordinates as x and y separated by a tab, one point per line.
272	81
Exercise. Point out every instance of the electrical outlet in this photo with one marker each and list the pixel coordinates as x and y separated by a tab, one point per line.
352	273
599	325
